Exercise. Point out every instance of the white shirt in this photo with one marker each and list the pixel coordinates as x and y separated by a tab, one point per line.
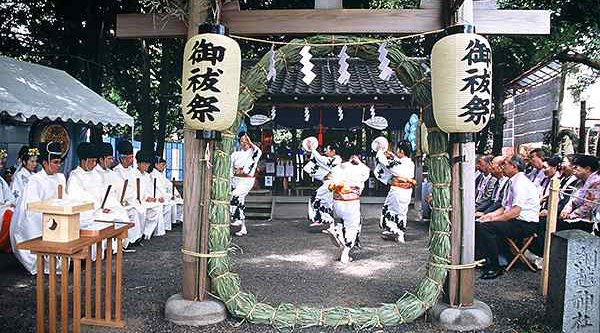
109	177
350	175
86	186
122	171
393	166
146	185
20	179
320	166
246	160
523	193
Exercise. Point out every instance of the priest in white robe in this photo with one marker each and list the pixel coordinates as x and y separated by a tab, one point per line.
397	171
125	170
115	201
42	186
167	190
243	167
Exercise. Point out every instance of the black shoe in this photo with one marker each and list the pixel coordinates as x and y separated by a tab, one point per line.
491	273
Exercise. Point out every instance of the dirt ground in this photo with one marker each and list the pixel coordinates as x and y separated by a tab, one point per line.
282	262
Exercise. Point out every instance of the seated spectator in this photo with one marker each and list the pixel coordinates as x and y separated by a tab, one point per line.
486	187
551	166
499	190
569	183
536	158
578	212
517	219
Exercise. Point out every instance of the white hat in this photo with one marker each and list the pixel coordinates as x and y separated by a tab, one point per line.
380	143
314	143
259	119
377	122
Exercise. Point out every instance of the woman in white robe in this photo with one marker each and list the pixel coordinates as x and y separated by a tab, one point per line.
243	167
320	205
42	186
347	183
398	171
27	168
7	205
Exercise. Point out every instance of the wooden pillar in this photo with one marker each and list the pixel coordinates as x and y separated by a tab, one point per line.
550	229
195	194
582	136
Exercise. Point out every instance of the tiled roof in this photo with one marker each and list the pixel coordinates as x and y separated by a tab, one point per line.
364	80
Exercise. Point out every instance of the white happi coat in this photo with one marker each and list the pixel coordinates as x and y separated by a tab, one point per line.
320	205
7	200
26	225
132	213
352	177
20	179
247	161
155	214
395	206
167	190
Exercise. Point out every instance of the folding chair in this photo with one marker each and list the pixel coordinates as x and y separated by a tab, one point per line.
520	252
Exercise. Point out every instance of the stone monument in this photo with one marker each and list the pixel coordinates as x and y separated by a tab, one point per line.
573	303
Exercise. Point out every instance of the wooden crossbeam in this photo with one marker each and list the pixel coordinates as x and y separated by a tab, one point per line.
337	21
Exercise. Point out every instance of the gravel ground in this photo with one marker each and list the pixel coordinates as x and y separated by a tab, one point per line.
282	262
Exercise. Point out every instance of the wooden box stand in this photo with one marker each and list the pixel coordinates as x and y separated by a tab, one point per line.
77	251
60	219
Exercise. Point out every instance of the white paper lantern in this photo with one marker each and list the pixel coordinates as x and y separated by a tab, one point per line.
211	82
461	82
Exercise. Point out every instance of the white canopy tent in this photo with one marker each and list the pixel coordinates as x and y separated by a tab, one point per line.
30	90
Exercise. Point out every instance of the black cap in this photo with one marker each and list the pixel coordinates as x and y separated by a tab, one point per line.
105	149
143	157
125	148
51	150
586	161
86	150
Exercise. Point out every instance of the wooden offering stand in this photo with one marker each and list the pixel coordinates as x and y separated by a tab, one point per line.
61	226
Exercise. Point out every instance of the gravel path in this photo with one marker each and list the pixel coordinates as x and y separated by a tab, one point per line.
282	262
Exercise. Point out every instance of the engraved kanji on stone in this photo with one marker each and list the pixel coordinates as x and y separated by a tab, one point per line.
477	52
201	108
477	82
477	110
204	82
204	51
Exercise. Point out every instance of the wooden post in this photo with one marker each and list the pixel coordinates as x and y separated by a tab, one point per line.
582	136
452	283
467	256
195	191
550	229
418	171
40	300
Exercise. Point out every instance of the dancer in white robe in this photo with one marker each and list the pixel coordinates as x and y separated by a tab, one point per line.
167	190
42	186
118	210
320	205
243	166
397	171
28	162
125	170
7	206
347	183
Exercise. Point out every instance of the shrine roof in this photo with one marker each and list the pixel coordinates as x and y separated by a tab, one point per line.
364	80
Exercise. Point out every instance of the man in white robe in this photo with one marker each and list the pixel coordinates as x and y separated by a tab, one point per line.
347	183
7	205
28	163
398	171
141	186
167	190
42	186
132	213
243	166
320	205
125	170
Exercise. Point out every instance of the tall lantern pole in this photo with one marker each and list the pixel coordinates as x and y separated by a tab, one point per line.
210	91
461	64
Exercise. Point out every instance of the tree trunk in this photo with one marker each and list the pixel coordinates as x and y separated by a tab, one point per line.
166	73
95	41
144	107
